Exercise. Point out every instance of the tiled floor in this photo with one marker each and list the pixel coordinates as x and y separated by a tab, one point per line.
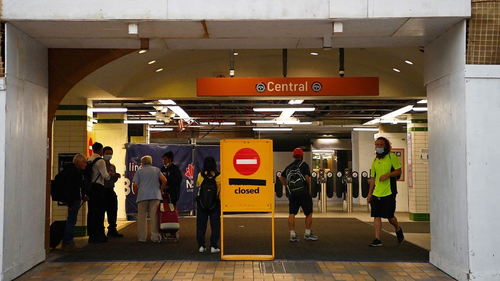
244	270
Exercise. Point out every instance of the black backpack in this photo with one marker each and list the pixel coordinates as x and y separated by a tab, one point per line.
88	172
297	184
208	198
57	186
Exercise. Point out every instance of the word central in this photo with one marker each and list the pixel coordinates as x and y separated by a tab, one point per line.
287	87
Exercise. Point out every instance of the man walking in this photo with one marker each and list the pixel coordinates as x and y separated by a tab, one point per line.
111	199
383	189
297	178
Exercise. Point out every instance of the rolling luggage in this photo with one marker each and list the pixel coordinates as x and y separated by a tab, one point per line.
56	233
168	220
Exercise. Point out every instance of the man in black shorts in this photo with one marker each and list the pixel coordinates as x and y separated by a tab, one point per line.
298	171
383	189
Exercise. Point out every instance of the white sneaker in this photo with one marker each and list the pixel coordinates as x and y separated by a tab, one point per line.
202	249
214	250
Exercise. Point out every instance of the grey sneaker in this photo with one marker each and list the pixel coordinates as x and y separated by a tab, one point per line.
202	249
214	250
310	237
400	235
376	243
294	238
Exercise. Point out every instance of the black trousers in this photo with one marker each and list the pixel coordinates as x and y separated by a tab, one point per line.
202	217
95	215
111	208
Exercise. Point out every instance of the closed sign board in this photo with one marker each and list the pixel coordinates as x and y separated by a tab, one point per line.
247	175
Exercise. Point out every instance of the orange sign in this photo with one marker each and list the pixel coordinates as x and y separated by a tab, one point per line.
324	86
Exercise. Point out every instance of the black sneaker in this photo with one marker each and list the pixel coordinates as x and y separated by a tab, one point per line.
376	243
114	234
400	235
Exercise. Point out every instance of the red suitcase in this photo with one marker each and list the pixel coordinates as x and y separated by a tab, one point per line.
168	219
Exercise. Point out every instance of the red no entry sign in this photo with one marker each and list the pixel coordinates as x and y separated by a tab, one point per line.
246	161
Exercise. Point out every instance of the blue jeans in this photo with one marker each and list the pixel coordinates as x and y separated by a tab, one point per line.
69	232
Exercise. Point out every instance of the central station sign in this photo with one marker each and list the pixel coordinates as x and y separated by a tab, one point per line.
309	86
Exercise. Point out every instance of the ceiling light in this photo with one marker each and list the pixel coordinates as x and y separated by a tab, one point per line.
272	129
396	70
397	112
408	62
394	121
151	122
151	62
314	54
296	102
228	123
420	109
161	129
235	53
366	129
142	51
327	136
159	69
111	109
372	122
176	109
422	101
273	109
263	121
323	151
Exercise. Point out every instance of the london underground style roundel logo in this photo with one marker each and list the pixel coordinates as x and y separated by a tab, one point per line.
260	87
316	86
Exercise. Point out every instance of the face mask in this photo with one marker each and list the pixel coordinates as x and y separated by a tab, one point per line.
379	150
167	165
108	157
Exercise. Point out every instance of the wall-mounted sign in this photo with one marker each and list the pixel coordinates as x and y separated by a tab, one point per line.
309	86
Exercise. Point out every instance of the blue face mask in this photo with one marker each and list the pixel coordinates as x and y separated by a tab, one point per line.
379	150
108	157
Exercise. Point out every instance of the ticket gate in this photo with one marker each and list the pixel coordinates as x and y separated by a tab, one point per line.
347	187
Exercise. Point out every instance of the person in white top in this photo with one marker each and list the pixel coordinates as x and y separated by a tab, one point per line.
97	203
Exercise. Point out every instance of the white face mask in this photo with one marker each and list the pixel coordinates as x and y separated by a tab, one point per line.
167	165
108	157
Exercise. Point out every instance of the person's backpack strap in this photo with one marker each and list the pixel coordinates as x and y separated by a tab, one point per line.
93	163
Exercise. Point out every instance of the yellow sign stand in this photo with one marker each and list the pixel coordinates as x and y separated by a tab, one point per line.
247	184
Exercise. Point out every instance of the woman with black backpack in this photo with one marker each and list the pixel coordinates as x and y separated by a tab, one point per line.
208	205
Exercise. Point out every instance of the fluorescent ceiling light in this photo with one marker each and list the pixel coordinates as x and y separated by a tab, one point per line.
422	101
263	121
159	69
372	122
366	129
161	129
176	109
272	129
228	123
323	151
112	109
151	62
296	102
408	62
142	51
394	121
396	70
141	122
274	109
314	54
420	109
398	112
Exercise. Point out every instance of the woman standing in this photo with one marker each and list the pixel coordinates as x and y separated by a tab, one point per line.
148	192
208	206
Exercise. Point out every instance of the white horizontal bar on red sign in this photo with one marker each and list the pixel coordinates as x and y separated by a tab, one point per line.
246	161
